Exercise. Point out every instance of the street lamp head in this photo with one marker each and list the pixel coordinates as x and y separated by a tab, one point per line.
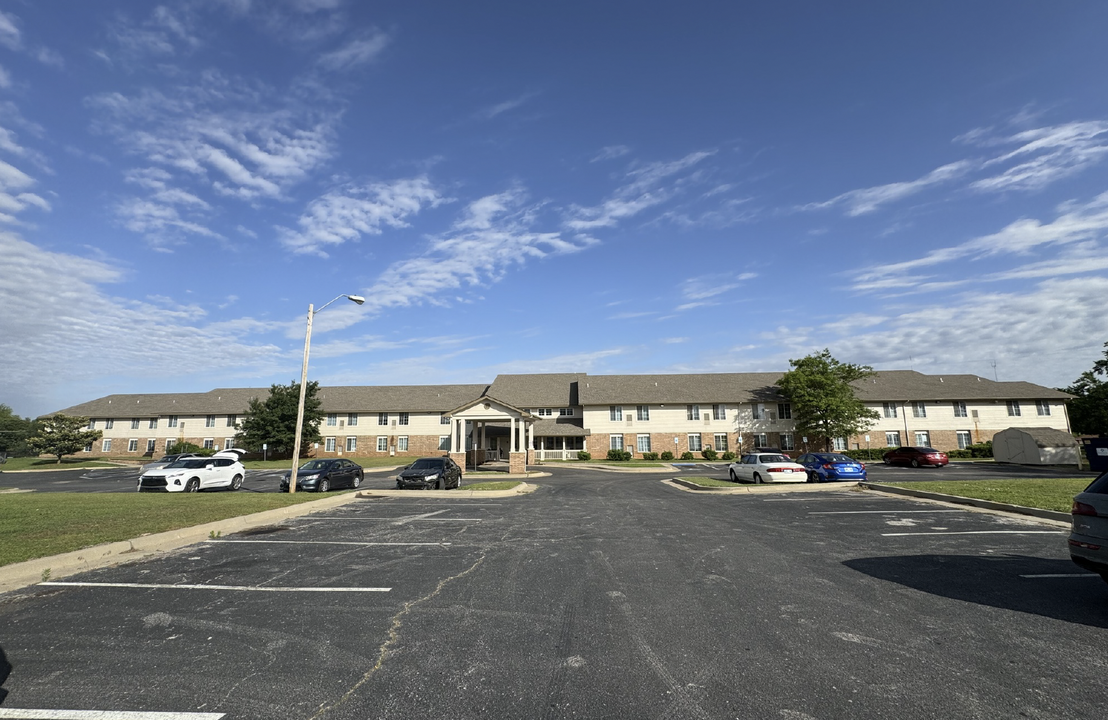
357	298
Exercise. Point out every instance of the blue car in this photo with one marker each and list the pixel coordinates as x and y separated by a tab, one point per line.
832	467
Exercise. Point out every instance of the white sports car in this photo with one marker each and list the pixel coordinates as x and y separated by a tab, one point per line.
765	468
193	474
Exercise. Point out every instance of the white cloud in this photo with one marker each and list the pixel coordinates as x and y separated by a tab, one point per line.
347	214
867	200
9	31
492	111
705	290
50	57
1045	155
357	52
610	152
5	78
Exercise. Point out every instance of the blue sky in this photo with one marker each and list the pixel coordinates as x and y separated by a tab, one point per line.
618	187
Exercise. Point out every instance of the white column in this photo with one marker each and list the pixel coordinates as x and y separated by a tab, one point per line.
530	436
453	435
511	435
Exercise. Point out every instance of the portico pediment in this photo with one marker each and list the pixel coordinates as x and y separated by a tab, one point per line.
490	410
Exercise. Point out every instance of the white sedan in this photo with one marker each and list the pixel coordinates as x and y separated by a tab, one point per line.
767	467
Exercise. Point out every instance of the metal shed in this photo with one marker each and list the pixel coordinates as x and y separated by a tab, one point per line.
1035	446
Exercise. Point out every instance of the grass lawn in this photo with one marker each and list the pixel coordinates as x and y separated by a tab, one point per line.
710	482
35	463
1045	494
35	525
500	485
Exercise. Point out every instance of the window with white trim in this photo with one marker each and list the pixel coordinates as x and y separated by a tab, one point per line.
642	413
403	420
91	425
568	412
923	438
615	413
720	440
443	420
719	412
382	443
1014	408
88	448
135	423
889	409
209	443
332	420
1042	407
172	421
919	409
209	421
839	443
352	444
692	412
694	442
444	442
758	411
892	438
232	420
788	442
761	440
106	446
642	442
169	443
402	443
382	418
150	445
228	443
959	409
965	439
545	412
132	446
352	419
615	442
784	412
110	423
153	424
328	444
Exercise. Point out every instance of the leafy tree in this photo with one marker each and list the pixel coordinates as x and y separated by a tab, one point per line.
273	421
1089	410
183	446
14	432
62	435
822	395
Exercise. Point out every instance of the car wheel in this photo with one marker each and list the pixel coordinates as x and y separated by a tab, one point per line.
757	479
887	461
734	477
915	463
812	477
236	482
357	480
193	485
323	486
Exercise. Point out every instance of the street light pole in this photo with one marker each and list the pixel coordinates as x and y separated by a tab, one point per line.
303	387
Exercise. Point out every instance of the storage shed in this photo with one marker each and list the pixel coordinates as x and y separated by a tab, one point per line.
1035	446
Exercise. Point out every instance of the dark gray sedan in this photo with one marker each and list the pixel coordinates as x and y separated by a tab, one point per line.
324	475
435	473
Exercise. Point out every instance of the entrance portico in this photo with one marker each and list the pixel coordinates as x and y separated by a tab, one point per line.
481	412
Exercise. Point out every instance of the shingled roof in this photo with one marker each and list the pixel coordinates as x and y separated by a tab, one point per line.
699	388
392	398
909	385
225	401
552	390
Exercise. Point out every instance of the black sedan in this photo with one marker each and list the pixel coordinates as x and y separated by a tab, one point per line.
435	473
324	475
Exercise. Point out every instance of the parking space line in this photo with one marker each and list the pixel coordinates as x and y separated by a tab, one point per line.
981	532
398	521
1062	575
248	588
882	512
27	714
326	542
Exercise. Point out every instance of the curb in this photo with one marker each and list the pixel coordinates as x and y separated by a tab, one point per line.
522	489
765	489
1062	517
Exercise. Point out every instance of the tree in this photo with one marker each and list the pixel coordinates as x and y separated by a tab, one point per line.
14	432
1089	410
63	435
273	421
822	396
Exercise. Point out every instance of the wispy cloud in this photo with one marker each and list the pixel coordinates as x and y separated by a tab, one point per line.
706	289
492	111
867	200
10	35
360	51
1044	155
611	152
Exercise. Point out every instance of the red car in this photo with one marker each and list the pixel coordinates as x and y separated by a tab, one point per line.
915	456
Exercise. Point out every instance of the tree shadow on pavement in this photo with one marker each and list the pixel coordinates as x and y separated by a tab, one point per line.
999	582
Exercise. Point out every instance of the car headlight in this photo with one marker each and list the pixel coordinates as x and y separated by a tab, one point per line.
307	478
432	477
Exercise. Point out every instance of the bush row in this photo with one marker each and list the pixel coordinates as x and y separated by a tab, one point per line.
980	450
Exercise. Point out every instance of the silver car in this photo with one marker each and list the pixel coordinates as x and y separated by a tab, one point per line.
1089	538
159	464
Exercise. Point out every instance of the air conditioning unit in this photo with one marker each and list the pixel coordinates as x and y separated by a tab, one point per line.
707	419
630	420
342	423
394	423
975	415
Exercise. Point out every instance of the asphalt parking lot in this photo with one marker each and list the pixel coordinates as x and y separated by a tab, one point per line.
596	596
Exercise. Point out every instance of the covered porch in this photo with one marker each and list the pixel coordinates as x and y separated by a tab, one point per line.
478	429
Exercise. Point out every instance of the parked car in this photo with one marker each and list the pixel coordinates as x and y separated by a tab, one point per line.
193	474
325	475
829	467
1089	537
766	467
915	456
435	473
166	459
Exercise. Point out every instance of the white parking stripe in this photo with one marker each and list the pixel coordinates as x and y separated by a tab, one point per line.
250	588
103	715
398	521
1063	575
326	542
882	512
983	532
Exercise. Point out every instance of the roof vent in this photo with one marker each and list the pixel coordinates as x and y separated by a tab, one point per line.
109	402
940	379
655	384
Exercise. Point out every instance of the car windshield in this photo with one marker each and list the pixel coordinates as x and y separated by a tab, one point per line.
188	463
314	465
773	458
426	464
837	458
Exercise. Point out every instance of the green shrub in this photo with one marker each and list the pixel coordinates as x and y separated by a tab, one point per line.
619	455
650	456
709	454
728	456
981	450
582	455
666	455
183	446
866	453
686	455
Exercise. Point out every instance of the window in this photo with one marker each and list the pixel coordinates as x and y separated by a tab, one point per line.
1042	407
91	425
642	412
403	418
444	442
964	439
1014	408
132	446
332	420
959	408
106	446
615	413
209	443
892	439
566	411
919	409
758	411
352	419
150	446
172	421
694	441
546	412
232	420
109	423
720	441
169	444
228	443
761	440
382	443
642	442
890	409
153	424
787	441
352	444
328	444
719	412
401	443
692	412
88	448
382	418
784	412
615	442
209	421
135	423
839	444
